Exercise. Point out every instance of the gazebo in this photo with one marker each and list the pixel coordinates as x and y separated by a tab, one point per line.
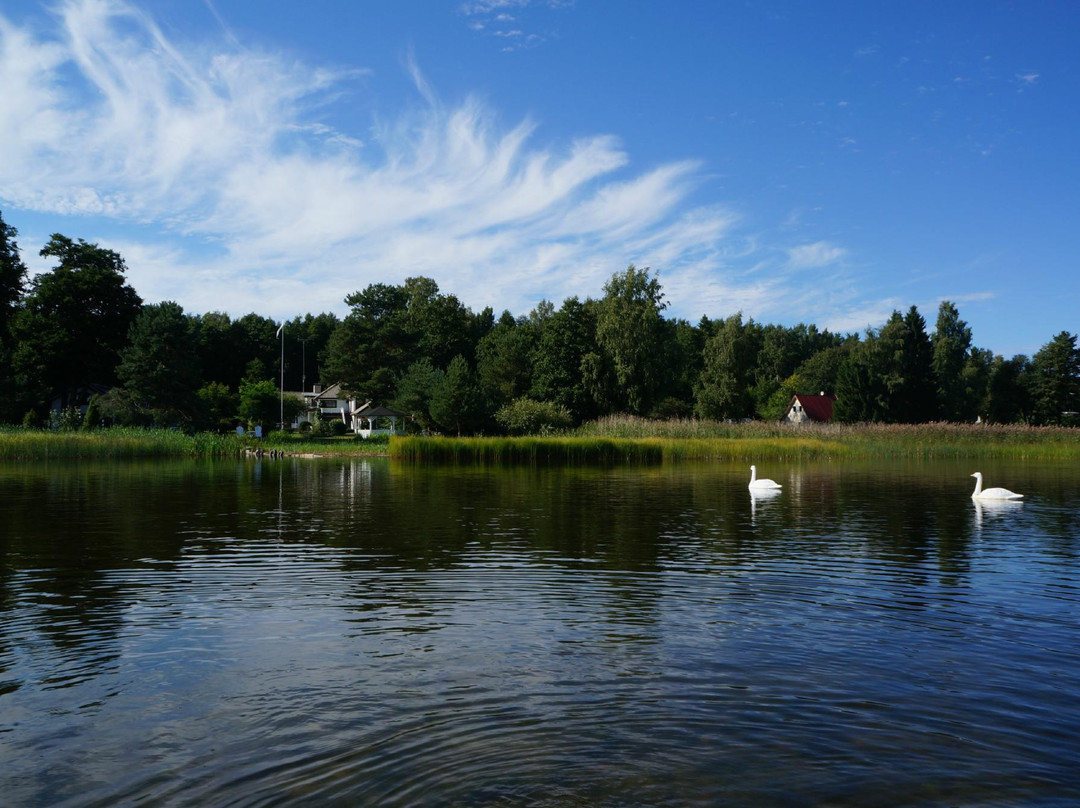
365	421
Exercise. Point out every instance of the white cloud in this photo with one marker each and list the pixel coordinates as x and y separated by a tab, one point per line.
245	200
811	256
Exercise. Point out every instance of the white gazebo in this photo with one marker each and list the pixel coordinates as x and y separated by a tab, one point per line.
366	421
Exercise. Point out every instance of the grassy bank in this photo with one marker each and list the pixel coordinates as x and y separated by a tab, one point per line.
32	444
17	443
637	440
776	440
609	440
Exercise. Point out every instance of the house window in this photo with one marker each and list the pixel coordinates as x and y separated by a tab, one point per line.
328	403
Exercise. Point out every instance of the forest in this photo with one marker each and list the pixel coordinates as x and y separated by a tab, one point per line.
81	330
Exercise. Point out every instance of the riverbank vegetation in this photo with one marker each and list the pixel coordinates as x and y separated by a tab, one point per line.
623	439
629	439
78	344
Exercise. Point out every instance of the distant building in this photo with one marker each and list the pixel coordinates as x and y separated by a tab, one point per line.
809	408
333	404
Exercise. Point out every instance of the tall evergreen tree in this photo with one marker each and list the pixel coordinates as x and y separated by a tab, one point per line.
951	343
455	401
915	398
1055	380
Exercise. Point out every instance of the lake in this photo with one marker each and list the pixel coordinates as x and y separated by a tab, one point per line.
363	632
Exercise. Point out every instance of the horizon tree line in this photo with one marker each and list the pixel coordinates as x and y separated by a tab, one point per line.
80	327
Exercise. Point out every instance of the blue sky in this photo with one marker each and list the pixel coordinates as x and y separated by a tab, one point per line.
799	162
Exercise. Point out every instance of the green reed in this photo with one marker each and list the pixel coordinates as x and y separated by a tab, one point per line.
119	442
774	439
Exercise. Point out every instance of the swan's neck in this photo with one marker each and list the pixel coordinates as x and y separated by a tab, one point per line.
753	473
978	485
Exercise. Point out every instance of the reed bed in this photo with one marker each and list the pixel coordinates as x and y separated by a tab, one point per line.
933	440
33	444
606	441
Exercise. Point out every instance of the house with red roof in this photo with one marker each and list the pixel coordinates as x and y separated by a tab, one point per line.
807	408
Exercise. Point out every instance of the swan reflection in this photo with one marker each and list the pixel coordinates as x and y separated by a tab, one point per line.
761	496
989	509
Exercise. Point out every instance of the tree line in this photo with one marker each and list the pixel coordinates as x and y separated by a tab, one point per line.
81	328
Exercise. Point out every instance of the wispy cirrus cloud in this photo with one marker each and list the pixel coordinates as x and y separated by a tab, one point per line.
246	200
818	254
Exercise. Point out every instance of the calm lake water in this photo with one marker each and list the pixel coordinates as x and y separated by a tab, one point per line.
369	633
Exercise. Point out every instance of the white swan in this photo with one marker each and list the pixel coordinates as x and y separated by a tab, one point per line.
991	493
763	484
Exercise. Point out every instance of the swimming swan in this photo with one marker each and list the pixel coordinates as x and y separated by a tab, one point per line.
991	493
765	484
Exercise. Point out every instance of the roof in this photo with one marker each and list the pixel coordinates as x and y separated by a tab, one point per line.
367	411
816	407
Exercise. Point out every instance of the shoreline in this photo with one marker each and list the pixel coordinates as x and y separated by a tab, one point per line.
613	441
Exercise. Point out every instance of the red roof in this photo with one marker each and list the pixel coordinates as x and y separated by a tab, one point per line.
817	408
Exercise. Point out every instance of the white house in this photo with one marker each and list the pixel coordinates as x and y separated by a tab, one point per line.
360	418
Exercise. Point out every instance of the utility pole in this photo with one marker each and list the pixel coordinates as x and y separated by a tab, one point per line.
303	364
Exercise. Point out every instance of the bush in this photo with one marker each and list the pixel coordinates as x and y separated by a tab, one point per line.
525	416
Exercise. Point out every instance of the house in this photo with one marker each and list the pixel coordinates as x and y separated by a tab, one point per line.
329	404
804	408
334	404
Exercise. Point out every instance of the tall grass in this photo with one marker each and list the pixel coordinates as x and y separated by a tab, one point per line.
28	444
609	440
934	440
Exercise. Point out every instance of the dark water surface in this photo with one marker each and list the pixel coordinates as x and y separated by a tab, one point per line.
368	633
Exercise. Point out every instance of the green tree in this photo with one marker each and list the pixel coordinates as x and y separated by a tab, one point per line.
306	339
12	287
1009	390
456	402
75	320
219	354
414	391
723	391
373	345
260	403
12	276
817	374
566	338
861	394
630	331
683	347
951	344
1055	380
218	407
440	327
914	398
160	365
504	358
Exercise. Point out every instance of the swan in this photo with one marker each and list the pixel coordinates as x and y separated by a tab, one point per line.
991	493
763	484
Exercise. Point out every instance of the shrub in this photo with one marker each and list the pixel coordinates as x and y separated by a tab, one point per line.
525	416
